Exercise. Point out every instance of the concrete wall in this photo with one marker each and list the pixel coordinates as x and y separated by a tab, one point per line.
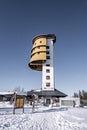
49	81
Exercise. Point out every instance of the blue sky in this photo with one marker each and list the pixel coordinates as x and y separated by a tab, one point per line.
21	21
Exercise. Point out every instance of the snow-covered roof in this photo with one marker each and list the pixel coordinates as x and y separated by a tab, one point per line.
11	93
6	93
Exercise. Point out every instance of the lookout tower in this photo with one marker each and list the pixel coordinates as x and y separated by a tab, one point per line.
42	59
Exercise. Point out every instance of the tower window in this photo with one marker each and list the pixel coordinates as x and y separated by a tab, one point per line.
38	52
40	41
47	77
47	84
48	57
47	52
38	47
47	47
47	70
47	64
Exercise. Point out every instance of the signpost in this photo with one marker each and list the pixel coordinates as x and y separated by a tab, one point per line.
18	102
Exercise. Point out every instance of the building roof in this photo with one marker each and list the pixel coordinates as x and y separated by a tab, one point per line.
6	93
12	93
55	93
48	36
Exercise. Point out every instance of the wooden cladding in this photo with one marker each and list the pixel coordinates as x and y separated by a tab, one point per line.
39	51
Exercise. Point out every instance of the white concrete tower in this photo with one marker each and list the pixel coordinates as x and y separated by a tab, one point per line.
48	68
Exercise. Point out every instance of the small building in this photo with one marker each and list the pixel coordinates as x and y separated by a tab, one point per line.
48	97
70	101
6	96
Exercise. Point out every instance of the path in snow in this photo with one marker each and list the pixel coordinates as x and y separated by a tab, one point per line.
45	119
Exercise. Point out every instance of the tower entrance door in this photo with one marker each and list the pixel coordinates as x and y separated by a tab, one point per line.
48	101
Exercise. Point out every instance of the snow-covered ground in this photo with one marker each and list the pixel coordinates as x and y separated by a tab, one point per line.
44	118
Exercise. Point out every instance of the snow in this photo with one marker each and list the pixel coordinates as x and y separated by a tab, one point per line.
5	104
43	118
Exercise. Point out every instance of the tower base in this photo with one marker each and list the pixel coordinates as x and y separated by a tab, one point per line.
47	97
